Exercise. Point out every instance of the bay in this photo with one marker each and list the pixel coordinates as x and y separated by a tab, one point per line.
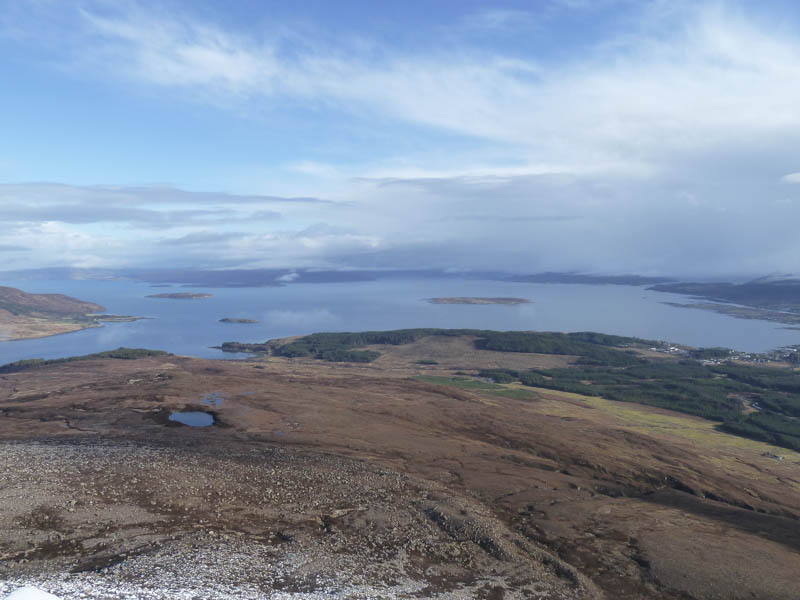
191	327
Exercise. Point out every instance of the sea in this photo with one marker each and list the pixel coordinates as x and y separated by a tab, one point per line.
193	327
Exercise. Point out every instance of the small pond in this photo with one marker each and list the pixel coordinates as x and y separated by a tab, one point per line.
213	399
193	418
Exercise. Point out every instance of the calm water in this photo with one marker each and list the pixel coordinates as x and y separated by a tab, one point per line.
193	418
192	326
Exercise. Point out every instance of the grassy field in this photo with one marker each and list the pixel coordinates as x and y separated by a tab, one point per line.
761	404
643	419
467	383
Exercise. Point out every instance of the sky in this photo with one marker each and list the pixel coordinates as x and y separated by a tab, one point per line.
600	136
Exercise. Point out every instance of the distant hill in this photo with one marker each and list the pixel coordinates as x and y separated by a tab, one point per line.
24	315
221	278
478	300
17	302
782	294
781	278
589	279
181	296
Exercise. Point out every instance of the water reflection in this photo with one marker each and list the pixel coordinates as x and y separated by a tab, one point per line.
193	418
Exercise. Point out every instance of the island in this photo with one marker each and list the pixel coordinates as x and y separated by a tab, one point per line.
181	296
235	320
27	316
478	300
116	318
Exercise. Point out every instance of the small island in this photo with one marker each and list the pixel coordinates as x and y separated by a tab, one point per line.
181	296
115	318
235	320
478	300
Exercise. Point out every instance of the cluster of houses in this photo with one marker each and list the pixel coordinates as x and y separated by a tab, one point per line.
667	349
790	354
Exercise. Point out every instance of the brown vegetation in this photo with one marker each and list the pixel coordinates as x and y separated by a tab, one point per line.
457	490
24	315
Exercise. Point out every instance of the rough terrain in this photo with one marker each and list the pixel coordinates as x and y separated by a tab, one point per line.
321	480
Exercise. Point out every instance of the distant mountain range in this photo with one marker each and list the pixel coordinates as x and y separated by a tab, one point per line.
218	277
18	302
276	277
770	293
552	277
777	292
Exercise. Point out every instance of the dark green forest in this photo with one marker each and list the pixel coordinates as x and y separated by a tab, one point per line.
716	392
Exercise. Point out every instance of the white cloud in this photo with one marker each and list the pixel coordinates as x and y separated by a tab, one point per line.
314	169
499	19
658	149
715	79
52	243
288	277
157	207
98	226
172	52
158	196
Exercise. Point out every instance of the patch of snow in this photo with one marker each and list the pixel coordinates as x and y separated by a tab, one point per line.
30	593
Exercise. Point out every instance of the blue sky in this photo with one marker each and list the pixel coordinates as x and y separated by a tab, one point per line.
605	136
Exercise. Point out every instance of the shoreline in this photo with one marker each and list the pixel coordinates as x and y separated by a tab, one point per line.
95	323
738	311
479	300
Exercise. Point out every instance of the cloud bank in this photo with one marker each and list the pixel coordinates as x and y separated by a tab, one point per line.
664	145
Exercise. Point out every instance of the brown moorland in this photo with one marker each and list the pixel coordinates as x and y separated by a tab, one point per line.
24	315
333	475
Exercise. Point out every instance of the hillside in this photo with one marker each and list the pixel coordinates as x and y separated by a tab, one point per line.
413	475
24	315
18	302
767	293
703	382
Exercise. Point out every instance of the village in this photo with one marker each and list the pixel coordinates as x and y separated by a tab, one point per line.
716	356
